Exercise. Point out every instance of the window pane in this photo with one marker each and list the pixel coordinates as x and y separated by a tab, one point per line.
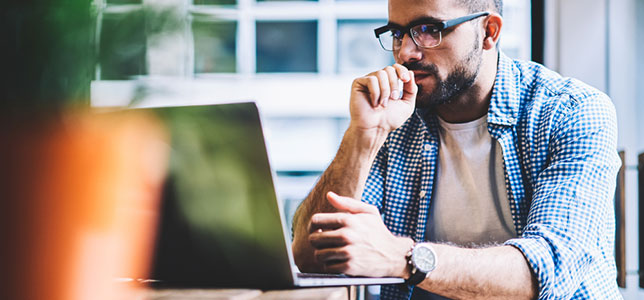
516	34
215	46
123	1
287	46
215	2
122	46
282	0
358	49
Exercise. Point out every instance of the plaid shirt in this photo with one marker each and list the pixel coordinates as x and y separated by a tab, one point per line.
559	139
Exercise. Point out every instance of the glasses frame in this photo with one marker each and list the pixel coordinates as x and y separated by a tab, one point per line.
438	28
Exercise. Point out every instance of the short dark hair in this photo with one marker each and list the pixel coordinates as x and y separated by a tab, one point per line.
482	5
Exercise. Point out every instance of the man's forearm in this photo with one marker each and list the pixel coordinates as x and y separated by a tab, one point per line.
346	176
492	273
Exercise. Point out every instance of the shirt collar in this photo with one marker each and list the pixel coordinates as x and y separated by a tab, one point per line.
505	101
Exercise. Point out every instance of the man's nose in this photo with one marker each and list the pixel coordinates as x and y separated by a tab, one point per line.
408	51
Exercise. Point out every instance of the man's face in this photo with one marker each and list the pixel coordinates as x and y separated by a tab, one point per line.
448	70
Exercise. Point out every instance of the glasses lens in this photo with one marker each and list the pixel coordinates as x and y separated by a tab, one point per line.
390	40
426	35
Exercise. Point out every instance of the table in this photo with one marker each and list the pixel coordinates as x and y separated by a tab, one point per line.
327	293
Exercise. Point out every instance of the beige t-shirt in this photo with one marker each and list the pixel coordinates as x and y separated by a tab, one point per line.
469	206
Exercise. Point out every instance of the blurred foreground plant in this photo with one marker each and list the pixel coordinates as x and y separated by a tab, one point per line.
47	56
51	48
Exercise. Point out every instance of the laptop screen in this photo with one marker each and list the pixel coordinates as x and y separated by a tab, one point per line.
220	222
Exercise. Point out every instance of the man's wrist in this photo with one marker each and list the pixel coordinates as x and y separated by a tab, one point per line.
367	139
401	265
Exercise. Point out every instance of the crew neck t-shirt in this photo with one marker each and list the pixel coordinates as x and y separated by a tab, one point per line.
470	206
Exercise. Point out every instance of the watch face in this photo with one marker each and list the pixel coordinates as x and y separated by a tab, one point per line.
424	258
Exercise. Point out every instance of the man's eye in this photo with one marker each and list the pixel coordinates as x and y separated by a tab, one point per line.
397	34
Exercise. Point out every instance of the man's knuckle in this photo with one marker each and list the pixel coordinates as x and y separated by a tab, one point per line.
370	79
314	219
345	235
340	219
348	220
347	251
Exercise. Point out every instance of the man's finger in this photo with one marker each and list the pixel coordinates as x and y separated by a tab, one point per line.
337	267
327	221
332	255
410	89
329	238
370	87
402	73
385	87
396	90
346	204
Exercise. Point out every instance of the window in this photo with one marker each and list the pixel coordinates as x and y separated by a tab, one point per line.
515	36
358	50
214	46
286	46
247	37
122	45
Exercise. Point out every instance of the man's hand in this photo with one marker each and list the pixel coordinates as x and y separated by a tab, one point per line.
378	102
355	241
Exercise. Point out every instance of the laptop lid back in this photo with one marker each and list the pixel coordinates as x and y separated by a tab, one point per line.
220	222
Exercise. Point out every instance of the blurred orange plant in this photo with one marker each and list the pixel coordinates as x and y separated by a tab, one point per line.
80	195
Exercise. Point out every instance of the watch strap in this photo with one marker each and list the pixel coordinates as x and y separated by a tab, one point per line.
416	277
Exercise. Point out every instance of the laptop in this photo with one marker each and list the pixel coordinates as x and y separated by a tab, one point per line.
221	222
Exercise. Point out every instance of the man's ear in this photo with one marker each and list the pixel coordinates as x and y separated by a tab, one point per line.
493	24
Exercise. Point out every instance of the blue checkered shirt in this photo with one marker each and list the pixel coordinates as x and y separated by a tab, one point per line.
559	139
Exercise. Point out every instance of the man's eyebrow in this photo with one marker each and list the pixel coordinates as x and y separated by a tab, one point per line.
417	21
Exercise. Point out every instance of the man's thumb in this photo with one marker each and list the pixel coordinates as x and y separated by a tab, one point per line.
350	205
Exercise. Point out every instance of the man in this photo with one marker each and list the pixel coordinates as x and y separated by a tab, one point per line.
480	176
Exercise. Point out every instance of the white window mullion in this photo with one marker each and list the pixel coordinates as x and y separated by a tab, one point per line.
246	39
327	29
190	52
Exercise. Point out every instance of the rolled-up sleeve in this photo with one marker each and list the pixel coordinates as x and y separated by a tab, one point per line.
570	226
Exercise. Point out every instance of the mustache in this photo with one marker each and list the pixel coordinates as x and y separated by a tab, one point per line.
430	69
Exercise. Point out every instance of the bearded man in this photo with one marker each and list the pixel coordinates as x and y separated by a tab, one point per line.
469	174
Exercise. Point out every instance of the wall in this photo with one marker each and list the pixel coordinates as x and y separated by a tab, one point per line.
639	36
622	89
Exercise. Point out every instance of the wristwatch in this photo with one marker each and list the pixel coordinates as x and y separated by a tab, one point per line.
422	260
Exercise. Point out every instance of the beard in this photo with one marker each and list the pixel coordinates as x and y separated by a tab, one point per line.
458	81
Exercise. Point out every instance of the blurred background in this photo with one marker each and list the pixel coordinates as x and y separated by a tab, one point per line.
296	59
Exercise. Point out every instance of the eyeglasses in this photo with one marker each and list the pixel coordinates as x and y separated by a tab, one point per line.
424	34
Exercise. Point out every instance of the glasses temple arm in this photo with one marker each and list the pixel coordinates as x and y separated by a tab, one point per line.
454	22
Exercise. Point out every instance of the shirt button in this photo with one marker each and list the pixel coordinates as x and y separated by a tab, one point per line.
422	194
428	147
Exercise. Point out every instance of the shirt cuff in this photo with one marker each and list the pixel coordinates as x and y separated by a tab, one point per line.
539	255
